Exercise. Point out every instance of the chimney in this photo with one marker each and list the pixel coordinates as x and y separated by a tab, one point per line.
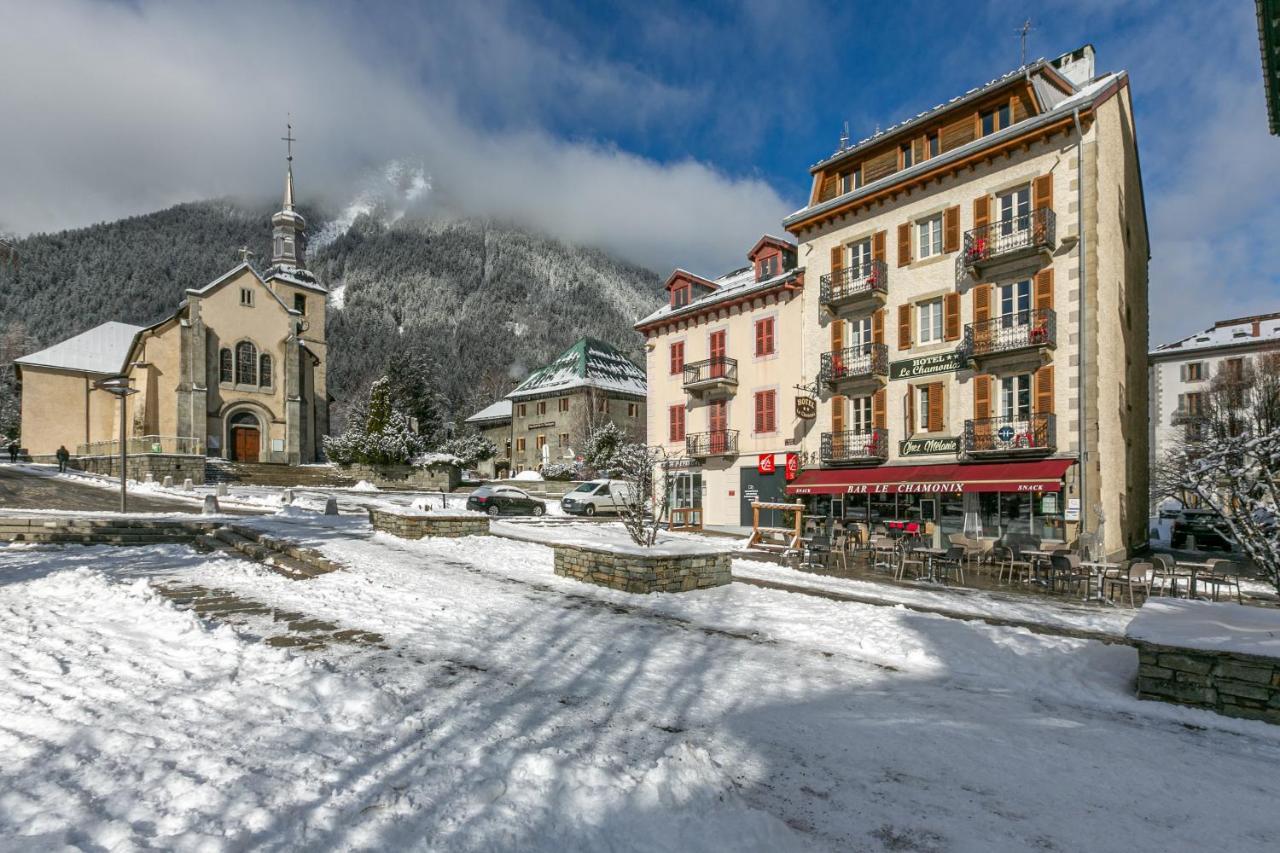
1257	327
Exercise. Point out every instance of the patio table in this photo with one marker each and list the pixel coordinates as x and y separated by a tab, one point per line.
1099	568
1038	560
1195	569
931	554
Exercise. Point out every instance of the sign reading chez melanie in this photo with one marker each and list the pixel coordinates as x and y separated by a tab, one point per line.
926	365
925	446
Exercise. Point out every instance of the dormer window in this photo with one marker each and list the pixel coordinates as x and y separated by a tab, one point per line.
769	267
931	143
681	296
995	119
851	181
904	155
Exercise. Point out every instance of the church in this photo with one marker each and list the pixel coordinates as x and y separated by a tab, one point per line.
237	371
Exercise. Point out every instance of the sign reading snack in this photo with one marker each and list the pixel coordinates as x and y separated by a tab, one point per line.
926	365
925	446
806	408
765	464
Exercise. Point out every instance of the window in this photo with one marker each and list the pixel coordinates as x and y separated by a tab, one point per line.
564	439
507	448
520	444
520	410
1234	369
680	296
764	336
766	411
851	181
675	420
540	442
300	303
924	399
224	366
769	267
929	237
860	335
860	258
246	296
246	363
279	246
1015	210
542	407
931	142
860	414
633	410
904	155
1194	404
677	357
604	405
995	119
1015	397
1015	302
1195	371
264	371
930	324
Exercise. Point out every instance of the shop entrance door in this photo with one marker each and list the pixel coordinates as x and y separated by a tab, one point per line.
765	488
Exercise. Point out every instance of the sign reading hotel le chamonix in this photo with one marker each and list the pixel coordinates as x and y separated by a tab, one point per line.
925	446
926	365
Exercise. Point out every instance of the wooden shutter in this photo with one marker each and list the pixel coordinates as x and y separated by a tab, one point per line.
877	326
904	244
1042	192
919	150
770	411
878	240
837	335
981	397
882	164
837	259
951	316
982	303
960	131
827	190
981	211
951	229
1043	390
760	407
909	402
877	409
935	407
904	327
837	414
1044	289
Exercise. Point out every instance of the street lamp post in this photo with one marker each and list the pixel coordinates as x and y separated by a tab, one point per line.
119	386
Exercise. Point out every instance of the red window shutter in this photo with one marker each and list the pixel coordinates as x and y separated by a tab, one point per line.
773	411
904	244
677	423
677	357
769	330
951	316
951	229
1044	289
759	400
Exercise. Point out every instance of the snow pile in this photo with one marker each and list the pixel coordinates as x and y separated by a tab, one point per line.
425	460
1209	626
531	476
364	486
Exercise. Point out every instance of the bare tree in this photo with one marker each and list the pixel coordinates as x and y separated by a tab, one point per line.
645	504
1229	456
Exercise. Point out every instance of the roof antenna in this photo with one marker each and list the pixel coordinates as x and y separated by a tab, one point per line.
844	137
1023	31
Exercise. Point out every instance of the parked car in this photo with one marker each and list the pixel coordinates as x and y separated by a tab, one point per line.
596	496
1208	528
504	500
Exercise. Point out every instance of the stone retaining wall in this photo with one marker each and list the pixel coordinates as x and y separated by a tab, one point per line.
419	526
1238	685
642	574
436	478
160	465
99	531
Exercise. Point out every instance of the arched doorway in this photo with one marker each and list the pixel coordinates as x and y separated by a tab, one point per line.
244	437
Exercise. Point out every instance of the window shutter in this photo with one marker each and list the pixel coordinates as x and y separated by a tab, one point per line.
1182	372
981	397
1044	390
837	335
951	229
877	326
837	259
827	189
982	303
981	211
759	400
837	414
904	327
904	244
878	241
760	350
770	411
918	149
935	407
1042	192
877	409
909	402
951	316
1044	289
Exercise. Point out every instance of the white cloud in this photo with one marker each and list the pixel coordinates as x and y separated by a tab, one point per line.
113	110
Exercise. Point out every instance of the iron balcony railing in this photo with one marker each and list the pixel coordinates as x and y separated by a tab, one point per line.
1020	434
175	445
720	442
1034	230
1020	330
854	446
841	285
711	371
857	362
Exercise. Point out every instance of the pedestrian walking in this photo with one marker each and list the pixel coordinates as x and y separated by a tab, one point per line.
13	451
63	456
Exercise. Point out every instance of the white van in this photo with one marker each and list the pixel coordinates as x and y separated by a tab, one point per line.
596	496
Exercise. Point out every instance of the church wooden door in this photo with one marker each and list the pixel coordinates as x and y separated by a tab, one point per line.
245	444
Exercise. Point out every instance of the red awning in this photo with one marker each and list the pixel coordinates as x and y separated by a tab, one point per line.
1041	475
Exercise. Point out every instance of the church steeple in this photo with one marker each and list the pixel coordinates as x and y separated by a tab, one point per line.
288	228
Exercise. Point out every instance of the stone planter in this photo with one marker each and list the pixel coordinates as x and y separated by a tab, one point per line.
420	526
641	573
433	478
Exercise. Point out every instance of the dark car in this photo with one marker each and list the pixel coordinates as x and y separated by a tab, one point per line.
504	500
1208	528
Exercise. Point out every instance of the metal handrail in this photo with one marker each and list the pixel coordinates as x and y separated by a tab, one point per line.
864	360
719	442
1030	230
869	277
854	445
175	445
721	369
1032	433
1037	327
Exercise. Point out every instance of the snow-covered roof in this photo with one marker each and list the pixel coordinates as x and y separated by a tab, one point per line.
296	276
589	363
102	350
498	411
1238	332
731	285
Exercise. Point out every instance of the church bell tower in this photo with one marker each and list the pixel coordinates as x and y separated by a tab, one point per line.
288	228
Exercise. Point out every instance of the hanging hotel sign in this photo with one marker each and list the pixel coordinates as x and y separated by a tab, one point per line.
806	408
927	365
925	446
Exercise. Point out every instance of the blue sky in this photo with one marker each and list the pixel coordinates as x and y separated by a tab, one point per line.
672	133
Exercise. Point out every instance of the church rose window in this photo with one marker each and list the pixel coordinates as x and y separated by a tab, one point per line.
246	364
264	371
224	366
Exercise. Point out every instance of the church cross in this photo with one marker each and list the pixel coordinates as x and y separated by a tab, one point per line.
289	139
245	254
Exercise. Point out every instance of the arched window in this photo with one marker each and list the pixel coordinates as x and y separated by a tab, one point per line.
224	366
246	364
264	371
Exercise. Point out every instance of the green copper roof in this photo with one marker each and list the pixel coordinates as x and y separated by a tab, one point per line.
589	363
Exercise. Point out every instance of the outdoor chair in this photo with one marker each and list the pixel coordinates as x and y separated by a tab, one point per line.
884	553
1219	576
1067	571
1166	574
951	562
910	557
1012	561
1137	576
818	550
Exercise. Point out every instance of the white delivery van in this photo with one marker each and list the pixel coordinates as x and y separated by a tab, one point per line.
596	496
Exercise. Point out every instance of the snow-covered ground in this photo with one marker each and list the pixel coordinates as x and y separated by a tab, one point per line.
514	710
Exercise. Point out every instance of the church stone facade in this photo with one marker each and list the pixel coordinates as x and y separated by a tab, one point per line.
237	372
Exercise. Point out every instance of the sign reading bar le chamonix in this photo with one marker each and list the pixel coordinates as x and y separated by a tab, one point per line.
926	365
